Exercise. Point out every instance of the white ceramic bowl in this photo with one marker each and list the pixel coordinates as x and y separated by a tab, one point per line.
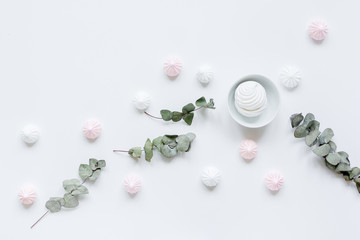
273	103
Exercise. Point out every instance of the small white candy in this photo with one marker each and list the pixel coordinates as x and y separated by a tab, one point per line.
290	77
210	177
30	134
205	75
142	101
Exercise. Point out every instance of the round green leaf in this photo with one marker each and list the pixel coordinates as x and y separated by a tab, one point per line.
85	171
135	152
166	115
296	119
333	158
323	150
201	102
188	118
70	201
95	175
53	206
176	116
188	108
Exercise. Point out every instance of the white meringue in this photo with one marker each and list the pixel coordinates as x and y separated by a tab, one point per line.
290	77
274	181
318	30
27	195
205	75
142	101
250	99
210	177
248	149
132	184
92	129
30	134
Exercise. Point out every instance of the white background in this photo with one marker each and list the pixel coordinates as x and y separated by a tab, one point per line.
62	62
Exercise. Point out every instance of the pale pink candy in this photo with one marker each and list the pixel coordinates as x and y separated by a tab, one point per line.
248	149
132	184
318	30
92	129
27	195
172	67
274	181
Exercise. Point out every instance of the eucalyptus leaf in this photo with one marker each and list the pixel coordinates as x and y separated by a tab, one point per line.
342	167
201	102
58	199
313	125
80	190
333	158
296	119
323	150
188	108
311	138
166	115
148	148
191	136
332	167
188	118
85	171
210	104
70	201
168	152
176	116
157	142
135	152
354	172
183	143
93	163
95	175
344	157
101	164
71	184
326	136
53	206
333	146
357	180
308	118
301	131
168	139
358	187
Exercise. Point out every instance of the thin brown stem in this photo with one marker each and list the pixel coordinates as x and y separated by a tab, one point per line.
152	115
40	218
120	151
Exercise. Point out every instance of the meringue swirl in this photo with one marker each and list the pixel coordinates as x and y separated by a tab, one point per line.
250	99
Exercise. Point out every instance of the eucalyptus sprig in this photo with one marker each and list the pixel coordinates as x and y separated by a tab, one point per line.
74	187
187	112
339	162
168	145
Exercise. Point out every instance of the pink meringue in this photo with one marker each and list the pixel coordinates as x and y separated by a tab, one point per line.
132	184
92	129
27	195
274	181
248	149
318	30
172	67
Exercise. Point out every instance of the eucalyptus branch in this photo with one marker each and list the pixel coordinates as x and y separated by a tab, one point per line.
74	188
187	112
339	162
168	145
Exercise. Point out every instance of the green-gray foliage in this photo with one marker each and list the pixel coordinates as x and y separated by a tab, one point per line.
339	162
74	187
168	146
187	112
